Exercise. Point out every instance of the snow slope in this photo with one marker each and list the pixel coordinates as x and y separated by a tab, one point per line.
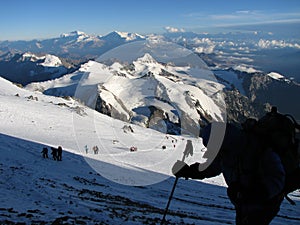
275	75
85	188
47	119
27	67
181	92
48	59
230	78
51	61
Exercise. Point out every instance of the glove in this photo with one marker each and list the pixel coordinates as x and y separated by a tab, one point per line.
181	169
195	167
195	173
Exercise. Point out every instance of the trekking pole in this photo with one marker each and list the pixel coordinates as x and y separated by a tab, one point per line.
187	151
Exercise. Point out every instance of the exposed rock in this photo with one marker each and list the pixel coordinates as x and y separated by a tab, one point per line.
103	107
107	109
261	92
240	107
264	89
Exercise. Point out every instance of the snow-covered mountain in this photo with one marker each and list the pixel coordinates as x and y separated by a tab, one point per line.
119	36
117	186
258	50
144	92
249	93
252	48
87	188
76	44
139	90
26	67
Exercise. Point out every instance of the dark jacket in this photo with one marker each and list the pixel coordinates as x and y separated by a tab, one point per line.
246	165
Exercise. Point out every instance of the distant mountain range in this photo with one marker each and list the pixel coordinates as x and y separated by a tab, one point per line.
24	68
262	50
72	45
56	66
172	96
22	61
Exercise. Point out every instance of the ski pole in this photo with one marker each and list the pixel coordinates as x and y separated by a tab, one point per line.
169	201
188	151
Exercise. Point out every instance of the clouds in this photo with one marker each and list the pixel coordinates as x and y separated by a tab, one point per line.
268	44
204	45
238	15
174	29
242	17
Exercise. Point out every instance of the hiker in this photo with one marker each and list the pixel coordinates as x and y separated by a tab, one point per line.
86	149
133	149
95	149
59	153
54	153
45	153
254	174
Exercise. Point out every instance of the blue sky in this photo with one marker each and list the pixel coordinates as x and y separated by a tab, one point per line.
20	19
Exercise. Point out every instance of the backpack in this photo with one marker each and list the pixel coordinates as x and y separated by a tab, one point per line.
254	174
278	132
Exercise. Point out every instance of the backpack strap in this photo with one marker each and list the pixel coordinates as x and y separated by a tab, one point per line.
297	126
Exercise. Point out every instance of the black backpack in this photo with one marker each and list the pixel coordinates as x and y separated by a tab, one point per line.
278	132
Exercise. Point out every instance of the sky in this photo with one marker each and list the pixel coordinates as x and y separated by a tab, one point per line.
24	20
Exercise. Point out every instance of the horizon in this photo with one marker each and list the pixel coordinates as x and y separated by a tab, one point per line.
41	20
289	28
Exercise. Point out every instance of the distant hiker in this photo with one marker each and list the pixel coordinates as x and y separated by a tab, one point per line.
133	149
45	153
54	153
127	128
59	153
254	174
86	149
95	149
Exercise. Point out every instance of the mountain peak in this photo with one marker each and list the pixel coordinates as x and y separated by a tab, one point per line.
147	58
51	61
276	76
28	56
125	35
48	60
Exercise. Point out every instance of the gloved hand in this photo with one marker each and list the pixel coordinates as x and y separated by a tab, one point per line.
195	167
181	169
195	173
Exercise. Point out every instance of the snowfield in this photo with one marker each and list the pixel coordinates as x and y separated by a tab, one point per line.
130	91
51	61
115	186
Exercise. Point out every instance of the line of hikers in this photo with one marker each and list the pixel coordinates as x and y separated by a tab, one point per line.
56	153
